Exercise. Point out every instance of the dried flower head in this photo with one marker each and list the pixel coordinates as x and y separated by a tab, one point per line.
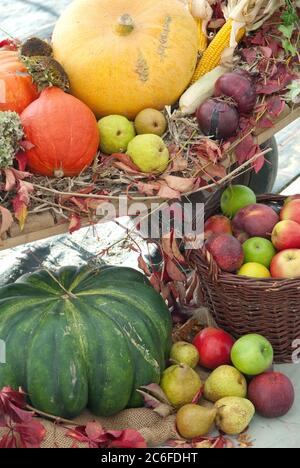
46	72
11	134
35	46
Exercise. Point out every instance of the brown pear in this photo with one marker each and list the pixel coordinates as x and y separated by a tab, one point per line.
195	421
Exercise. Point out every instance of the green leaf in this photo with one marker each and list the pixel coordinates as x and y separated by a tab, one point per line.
294	92
287	31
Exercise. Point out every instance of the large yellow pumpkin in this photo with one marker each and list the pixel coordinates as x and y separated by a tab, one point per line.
123	56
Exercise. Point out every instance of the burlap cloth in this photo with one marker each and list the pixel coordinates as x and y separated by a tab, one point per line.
155	429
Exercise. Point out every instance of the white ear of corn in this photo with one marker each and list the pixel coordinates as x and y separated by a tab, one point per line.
203	89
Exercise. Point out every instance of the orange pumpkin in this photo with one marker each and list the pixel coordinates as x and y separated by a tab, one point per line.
17	90
64	133
123	56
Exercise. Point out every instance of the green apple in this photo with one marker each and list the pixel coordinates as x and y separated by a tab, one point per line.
115	132
236	197
259	250
252	354
149	153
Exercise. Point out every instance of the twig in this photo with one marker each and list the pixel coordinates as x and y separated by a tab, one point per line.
51	417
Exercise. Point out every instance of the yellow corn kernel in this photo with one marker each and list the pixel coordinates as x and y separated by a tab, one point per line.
212	56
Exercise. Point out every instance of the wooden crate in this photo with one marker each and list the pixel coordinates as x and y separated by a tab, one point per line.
44	225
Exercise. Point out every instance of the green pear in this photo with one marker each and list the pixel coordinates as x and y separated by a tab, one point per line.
180	384
225	381
150	121
234	415
195	421
115	134
185	353
149	153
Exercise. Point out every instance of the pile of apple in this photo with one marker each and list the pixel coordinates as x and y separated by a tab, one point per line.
253	239
241	384
140	140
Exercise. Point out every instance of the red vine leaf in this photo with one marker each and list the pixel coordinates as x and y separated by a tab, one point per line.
31	434
21	159
97	437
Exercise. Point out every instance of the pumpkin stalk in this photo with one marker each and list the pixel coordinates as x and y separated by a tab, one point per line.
125	25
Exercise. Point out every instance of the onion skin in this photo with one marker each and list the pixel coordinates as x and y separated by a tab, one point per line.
238	87
218	119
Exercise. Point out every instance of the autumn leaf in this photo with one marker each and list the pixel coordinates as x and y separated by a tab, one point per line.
30	434
174	272
170	247
75	223
166	192
10	180
180	184
6	221
143	266
129	438
259	164
97	437
9	44
21	159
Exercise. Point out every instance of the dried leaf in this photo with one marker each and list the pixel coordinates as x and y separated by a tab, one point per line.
75	223
7	220
170	247
180	184
259	164
249	55
275	106
174	272
125	159
246	149
21	159
10	180
166	192
153	395
143	266
245	441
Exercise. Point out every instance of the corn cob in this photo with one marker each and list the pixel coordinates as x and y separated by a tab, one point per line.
212	56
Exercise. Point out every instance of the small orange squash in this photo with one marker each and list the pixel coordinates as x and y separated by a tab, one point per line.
123	56
63	132
17	90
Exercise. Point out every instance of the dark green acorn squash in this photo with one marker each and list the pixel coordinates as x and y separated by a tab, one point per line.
83	338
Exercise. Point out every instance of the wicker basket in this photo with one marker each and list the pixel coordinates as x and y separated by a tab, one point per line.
241	306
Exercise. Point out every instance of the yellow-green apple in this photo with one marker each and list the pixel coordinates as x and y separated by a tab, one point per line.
291	211
236	197
149	153
255	221
252	354
286	264
259	250
227	251
286	235
254	270
217	225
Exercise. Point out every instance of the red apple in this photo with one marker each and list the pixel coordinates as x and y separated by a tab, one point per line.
286	235
286	264
227	251
255	221
217	225
272	394
214	347
291	211
292	197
